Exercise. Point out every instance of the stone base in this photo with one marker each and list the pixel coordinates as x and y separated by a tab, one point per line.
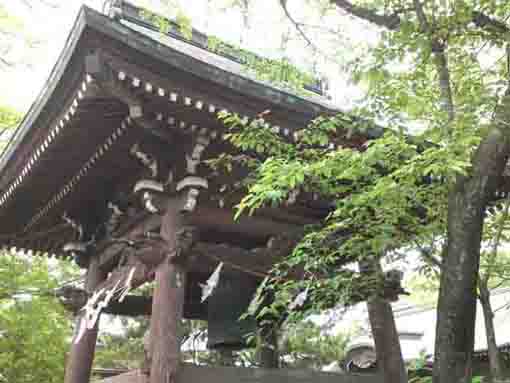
194	374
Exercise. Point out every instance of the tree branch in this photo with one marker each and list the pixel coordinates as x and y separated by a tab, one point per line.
320	28
299	28
496	242
283	3
499	233
391	22
440	61
29	4
5	62
422	19
427	254
483	21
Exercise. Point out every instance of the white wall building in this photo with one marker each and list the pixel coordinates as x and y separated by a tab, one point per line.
416	326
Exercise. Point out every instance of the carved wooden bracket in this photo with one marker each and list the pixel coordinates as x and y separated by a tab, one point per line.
191	186
77	227
78	251
154	195
145	159
193	159
148	190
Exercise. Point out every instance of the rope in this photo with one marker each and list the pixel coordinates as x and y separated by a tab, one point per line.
238	267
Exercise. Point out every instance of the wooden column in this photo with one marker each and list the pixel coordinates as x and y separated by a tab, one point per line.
81	356
268	330
167	302
269	353
226	357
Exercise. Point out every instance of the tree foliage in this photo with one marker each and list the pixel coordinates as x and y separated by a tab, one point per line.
306	345
388	195
34	328
9	118
17	43
122	351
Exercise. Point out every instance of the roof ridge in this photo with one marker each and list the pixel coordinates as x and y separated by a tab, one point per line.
124	10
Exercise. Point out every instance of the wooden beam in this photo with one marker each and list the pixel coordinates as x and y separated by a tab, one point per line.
205	256
110	251
205	219
252	227
132	305
74	299
79	362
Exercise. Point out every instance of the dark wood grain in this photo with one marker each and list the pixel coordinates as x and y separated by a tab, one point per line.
81	356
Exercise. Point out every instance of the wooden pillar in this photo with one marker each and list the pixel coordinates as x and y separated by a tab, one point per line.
268	327
166	316
81	356
269	357
226	357
167	302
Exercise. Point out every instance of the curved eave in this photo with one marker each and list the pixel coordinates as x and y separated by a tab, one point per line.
87	18
31	117
204	66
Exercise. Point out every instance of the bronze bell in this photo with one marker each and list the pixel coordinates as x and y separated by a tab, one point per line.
227	303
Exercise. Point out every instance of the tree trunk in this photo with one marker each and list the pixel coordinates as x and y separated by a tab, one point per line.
390	362
488	316
81	356
456	309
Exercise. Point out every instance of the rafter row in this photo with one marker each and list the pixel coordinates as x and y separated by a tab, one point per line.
52	135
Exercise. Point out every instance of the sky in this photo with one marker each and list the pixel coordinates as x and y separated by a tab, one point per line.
40	22
48	22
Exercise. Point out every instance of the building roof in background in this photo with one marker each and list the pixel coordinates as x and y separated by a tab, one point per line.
416	327
197	45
